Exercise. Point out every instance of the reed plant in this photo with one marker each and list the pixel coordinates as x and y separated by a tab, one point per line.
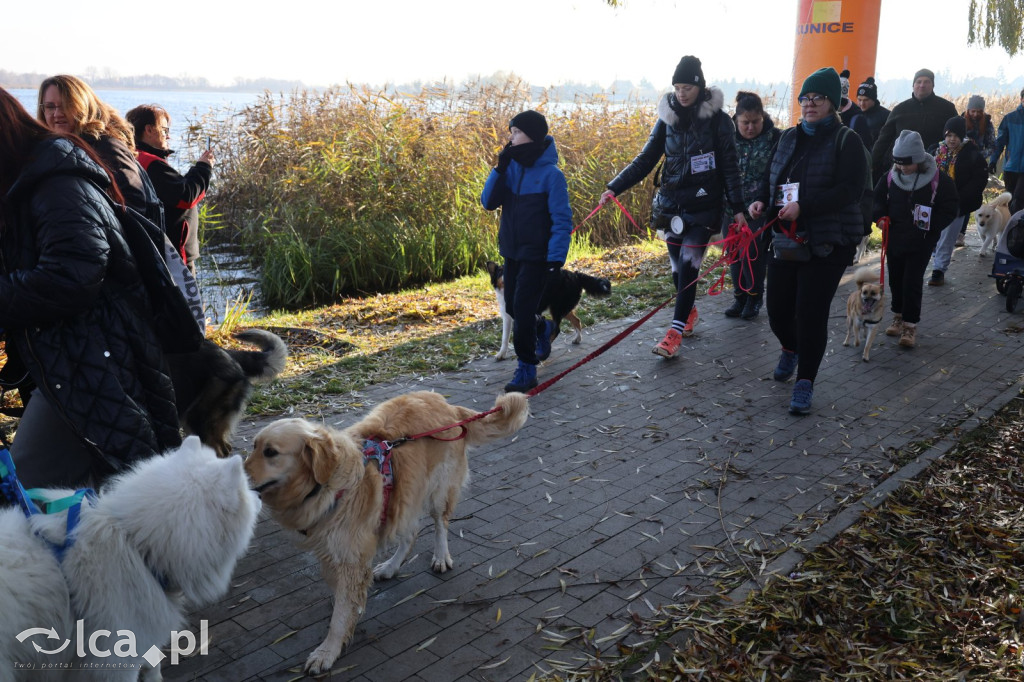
350	191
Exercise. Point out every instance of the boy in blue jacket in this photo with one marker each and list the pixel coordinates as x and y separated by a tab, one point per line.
533	238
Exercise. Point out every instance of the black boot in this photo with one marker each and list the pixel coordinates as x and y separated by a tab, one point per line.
737	307
753	306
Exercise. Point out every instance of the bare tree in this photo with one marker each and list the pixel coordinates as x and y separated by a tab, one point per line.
997	22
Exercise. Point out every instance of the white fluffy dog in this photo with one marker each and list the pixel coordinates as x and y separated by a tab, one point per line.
162	536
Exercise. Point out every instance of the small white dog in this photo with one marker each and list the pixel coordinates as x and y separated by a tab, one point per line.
991	220
164	535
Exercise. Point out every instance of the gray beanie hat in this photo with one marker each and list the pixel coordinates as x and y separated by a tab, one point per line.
927	73
976	102
909	148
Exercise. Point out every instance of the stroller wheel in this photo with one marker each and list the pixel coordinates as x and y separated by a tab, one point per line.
1013	291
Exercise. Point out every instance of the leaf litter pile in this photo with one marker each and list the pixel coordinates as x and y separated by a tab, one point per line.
925	587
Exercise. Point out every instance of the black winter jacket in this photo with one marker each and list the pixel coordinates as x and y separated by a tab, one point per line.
928	117
896	197
970	173
681	190
75	313
180	195
130	177
832	183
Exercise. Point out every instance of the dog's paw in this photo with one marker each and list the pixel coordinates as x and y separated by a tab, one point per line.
384	571
442	565
321	660
500	355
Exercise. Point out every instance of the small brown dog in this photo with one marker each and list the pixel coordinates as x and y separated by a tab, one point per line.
864	309
324	484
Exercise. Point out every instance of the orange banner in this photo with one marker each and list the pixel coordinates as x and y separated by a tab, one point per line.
842	34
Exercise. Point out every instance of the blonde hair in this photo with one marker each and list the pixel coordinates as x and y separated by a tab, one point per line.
89	116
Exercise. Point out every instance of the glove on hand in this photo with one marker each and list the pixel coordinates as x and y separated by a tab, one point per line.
504	158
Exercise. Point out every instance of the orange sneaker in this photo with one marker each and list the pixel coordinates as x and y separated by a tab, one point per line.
668	347
691	322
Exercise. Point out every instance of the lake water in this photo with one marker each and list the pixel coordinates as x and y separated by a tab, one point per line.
225	275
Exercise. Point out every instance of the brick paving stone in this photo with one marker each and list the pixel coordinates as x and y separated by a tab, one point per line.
699	452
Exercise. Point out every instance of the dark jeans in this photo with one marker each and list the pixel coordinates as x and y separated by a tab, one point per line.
906	282
1014	185
686	256
799	298
525	283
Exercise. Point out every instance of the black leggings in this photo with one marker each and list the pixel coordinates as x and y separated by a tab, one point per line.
686	256
906	282
799	298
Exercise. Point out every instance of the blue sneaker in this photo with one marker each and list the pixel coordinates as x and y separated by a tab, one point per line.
545	331
787	365
803	391
523	380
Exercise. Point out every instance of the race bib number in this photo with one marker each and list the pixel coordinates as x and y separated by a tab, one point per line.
787	194
702	163
922	217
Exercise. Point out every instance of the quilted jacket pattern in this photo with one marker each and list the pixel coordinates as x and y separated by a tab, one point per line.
75	313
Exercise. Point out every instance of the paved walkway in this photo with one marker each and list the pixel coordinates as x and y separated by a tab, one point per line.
636	482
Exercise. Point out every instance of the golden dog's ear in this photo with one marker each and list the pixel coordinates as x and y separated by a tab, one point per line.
321	456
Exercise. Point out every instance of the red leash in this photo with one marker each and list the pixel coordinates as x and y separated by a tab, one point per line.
883	225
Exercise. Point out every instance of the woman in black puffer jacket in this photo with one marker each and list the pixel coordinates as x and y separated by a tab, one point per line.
75	314
700	171
815	184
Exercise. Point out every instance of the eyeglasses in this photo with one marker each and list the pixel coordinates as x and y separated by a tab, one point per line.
51	107
811	100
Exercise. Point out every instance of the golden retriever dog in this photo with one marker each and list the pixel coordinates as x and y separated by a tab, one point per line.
317	481
864	309
991	220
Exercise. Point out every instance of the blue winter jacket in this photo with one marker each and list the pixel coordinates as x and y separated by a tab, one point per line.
536	219
1011	136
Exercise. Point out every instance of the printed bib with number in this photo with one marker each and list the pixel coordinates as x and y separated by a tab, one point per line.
787	194
702	163
922	217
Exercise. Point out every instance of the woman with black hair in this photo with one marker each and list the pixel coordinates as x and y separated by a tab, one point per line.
756	137
699	175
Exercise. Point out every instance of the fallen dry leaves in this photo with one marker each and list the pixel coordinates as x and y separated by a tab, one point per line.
925	587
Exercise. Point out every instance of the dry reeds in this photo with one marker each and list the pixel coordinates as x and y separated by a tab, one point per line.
351	190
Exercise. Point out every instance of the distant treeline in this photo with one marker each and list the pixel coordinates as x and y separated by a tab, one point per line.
9	79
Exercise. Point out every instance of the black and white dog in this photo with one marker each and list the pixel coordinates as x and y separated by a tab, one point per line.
562	303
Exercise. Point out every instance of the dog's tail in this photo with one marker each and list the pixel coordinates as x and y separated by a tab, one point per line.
266	363
595	286
1003	199
501	424
865	274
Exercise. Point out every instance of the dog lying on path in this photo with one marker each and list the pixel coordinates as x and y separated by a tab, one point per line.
330	486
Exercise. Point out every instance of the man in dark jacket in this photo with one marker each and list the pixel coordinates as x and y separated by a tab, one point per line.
925	113
871	109
179	193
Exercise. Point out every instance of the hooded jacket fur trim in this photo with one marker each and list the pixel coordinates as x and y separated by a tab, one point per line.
705	110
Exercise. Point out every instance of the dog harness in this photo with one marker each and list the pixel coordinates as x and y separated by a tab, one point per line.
379	450
34	502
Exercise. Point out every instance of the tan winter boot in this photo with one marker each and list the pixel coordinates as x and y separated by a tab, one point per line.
907	339
896	328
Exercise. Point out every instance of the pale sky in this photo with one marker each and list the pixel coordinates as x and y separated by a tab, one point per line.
544	41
